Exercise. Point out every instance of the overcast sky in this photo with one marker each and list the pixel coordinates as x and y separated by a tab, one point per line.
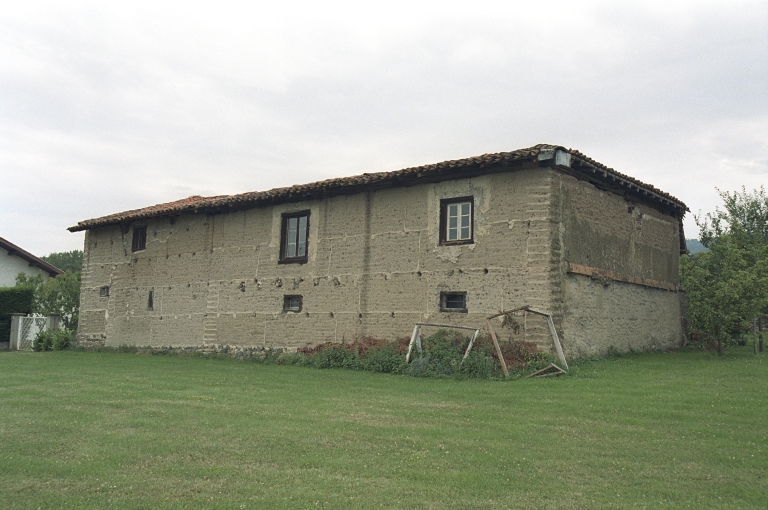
110	108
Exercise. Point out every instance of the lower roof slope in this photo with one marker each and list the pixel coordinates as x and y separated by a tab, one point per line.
575	162
34	261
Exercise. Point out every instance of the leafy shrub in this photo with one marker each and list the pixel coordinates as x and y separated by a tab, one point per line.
441	356
52	340
444	351
61	339
335	356
386	359
43	341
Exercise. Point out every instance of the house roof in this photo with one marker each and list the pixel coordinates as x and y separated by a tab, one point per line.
34	261
545	154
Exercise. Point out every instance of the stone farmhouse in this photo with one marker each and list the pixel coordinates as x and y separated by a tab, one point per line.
373	254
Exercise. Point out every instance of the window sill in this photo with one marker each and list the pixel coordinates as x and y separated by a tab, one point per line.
297	260
454	310
455	243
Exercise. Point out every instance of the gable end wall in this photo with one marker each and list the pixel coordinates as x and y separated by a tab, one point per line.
627	242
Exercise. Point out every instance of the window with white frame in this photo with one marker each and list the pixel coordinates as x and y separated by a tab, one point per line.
456	220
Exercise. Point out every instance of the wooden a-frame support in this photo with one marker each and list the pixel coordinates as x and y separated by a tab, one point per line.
526	308
416	337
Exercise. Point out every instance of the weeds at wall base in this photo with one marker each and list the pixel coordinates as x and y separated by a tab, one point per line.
442	356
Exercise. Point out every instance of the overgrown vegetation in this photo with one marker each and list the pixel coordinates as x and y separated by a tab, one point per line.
59	295
727	286
56	340
442	356
89	430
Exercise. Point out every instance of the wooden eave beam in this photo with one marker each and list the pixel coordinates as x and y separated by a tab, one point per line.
630	186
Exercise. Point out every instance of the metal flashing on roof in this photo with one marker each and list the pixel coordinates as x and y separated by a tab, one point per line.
541	154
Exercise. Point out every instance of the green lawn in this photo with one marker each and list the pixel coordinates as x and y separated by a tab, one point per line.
103	430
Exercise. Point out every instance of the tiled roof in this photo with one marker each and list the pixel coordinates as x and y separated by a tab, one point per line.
34	261
370	181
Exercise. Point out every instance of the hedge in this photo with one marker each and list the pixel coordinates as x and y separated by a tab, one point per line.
13	300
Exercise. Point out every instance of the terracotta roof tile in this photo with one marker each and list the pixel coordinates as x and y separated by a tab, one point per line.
344	185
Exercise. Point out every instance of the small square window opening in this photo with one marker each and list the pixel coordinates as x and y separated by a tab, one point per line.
139	239
104	291
456	220
292	303
453	302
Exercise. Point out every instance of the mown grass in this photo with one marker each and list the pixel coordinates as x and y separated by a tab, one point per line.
101	430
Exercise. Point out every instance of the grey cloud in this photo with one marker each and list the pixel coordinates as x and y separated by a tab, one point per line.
116	113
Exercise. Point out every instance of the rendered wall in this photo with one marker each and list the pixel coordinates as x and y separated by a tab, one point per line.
375	267
606	231
12	266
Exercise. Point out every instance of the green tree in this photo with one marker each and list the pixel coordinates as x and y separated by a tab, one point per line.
59	295
66	260
727	286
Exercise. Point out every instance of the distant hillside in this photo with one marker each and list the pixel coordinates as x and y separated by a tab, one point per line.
694	246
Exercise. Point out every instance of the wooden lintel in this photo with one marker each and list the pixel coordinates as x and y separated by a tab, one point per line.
596	272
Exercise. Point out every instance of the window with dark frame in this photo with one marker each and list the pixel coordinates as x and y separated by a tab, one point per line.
294	237
151	300
104	291
457	220
453	302
139	238
292	303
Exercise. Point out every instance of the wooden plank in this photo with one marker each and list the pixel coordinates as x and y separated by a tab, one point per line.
444	326
508	311
469	347
541	373
559	348
414	336
418	339
498	349
550	324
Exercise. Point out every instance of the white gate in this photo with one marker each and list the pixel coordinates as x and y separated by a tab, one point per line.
24	329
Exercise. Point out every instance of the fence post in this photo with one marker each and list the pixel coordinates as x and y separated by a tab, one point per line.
53	321
15	331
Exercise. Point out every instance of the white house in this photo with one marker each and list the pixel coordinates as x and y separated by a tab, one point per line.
14	260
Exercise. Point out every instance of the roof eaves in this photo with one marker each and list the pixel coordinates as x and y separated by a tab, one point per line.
628	182
33	260
372	181
340	185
